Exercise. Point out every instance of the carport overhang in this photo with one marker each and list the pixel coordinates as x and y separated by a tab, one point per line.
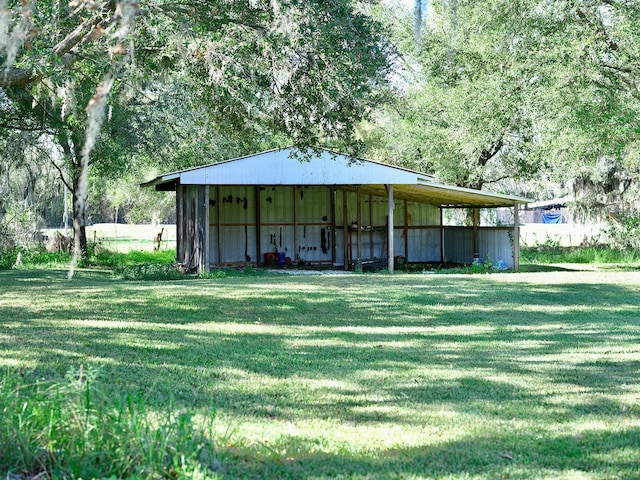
425	191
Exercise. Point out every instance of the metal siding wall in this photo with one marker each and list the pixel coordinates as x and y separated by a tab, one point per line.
398	216
421	214
458	244
276	218
213	225
237	210
310	243
180	238
338	200
398	241
234	240
270	240
380	211
237	206
339	234
189	227
366	204
424	245
495	245
276	205
339	247
313	205
352	208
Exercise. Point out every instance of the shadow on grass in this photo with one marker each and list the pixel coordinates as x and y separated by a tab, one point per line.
486	456
538	267
369	350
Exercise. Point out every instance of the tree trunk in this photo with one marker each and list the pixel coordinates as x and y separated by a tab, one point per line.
79	220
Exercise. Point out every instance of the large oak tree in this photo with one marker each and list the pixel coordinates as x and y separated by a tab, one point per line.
515	89
304	70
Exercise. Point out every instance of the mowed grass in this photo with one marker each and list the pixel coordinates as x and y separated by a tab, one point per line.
531	375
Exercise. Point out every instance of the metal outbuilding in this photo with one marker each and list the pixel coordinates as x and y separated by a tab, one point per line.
289	206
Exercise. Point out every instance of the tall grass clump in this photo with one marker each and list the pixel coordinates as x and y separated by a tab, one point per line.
108	259
594	255
37	257
71	428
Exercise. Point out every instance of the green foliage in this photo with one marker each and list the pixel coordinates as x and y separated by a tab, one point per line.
624	231
148	272
224	272
36	257
110	259
554	253
184	82
515	94
77	428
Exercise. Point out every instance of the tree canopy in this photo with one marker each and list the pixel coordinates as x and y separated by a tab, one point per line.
307	71
496	89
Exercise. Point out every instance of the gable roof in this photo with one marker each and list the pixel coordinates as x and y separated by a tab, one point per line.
290	166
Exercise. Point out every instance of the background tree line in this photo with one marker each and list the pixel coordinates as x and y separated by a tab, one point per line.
532	97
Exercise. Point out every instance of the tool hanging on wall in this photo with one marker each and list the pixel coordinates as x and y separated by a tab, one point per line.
323	240
246	245
280	237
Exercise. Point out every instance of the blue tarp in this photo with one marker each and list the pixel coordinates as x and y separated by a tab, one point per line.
551	218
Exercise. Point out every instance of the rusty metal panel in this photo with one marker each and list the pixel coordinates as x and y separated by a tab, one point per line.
192	203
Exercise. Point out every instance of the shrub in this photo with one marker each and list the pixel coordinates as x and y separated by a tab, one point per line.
624	231
151	271
71	428
33	257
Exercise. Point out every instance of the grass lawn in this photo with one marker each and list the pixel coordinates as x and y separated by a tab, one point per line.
521	376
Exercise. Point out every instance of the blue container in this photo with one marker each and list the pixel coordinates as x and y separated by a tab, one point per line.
281	258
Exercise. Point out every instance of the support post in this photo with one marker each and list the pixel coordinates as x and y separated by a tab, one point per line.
390	228
359	231
371	223
476	218
345	231
295	221
206	252
258	229
405	231
332	193
441	235
516	237
179	225
218	214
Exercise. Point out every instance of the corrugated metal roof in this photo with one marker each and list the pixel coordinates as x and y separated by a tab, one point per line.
322	167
